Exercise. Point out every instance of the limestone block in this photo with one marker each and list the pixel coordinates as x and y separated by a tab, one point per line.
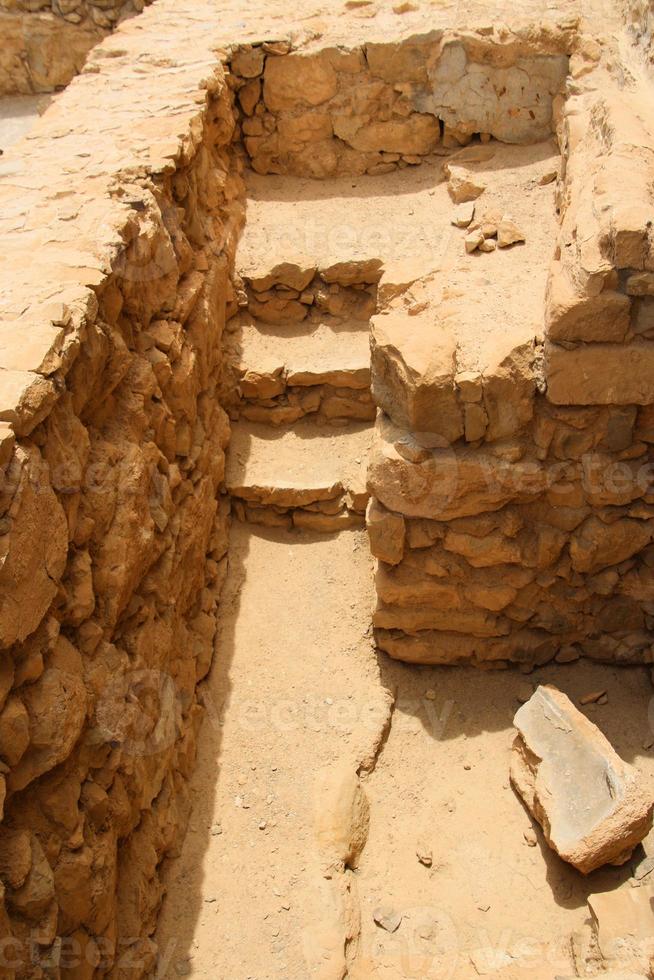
600	374
386	532
571	314
511	102
446	483
248	62
622	923
446	647
596	545
463	185
413	372
298	80
36	893
25	399
590	804
416	135
342	815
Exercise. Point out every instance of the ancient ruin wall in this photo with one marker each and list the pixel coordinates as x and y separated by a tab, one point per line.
529	534
376	106
45	42
117	256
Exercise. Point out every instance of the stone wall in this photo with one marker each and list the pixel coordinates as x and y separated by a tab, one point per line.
45	42
371	108
114	288
531	537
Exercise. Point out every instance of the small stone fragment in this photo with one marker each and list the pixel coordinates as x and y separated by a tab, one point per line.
548	178
473	241
430	694
508	233
424	854
463	185
463	214
488	245
387	918
590	804
530	837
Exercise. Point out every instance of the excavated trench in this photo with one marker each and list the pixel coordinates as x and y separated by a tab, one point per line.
338	791
433	353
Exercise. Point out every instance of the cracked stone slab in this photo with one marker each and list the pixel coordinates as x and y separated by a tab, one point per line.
591	805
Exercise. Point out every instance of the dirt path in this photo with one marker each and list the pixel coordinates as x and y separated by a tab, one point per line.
295	689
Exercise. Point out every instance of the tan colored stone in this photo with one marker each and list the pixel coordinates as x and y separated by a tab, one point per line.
415	135
248	62
56	705
508	233
574	315
590	803
492	549
386	531
33	552
600	374
295	275
596	545
463	185
413	373
342	816
298	80
622	923
448	483
463	214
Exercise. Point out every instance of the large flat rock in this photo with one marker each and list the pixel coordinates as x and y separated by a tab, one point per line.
308	354
295	467
591	805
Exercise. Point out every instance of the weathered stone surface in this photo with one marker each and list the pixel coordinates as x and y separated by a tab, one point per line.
386	532
342	816
298	80
413	372
600	374
622	923
447	483
590	803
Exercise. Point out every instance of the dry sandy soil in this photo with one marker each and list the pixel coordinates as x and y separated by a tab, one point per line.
298	686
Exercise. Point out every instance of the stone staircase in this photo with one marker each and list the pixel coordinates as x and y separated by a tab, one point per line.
301	361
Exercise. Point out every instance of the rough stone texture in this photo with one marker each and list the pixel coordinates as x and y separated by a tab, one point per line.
45	42
373	107
590	804
113	532
527	494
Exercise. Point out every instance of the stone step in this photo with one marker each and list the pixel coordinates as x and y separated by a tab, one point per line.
304	476
317	368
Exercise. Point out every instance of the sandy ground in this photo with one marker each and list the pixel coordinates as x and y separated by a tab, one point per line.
297	686
441	785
